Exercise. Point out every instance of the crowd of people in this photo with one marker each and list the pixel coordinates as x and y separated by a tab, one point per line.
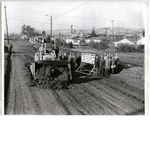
74	59
106	64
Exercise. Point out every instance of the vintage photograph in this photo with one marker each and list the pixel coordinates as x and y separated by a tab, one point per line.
74	58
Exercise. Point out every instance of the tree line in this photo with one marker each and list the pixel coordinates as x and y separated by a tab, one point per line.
31	32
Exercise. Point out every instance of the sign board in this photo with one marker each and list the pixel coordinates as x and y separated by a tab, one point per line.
88	58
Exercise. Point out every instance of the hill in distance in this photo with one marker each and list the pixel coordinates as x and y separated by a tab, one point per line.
98	30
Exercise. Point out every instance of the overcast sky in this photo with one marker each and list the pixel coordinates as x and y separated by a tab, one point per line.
83	14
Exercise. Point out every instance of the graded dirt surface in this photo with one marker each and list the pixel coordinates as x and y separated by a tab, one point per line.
120	94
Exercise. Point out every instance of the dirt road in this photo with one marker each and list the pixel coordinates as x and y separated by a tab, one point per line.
120	94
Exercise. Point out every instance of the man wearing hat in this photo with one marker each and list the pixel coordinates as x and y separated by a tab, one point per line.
101	66
97	65
56	49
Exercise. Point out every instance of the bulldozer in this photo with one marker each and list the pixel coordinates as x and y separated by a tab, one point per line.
48	69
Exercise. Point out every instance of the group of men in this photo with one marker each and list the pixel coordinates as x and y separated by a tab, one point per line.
106	64
74	60
71	57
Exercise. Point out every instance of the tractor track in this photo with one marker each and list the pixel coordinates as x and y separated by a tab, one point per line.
112	96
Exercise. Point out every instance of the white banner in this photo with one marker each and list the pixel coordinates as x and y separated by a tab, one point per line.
88	58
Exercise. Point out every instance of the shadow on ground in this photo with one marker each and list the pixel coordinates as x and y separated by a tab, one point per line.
79	78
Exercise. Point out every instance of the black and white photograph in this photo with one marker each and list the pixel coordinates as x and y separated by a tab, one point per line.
75	58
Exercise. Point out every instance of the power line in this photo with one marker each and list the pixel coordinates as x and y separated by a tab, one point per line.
73	9
104	20
74	16
55	24
45	23
98	19
71	16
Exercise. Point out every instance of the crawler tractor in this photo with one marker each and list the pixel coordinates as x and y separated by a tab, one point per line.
47	69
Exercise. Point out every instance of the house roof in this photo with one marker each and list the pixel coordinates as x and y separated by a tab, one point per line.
133	39
141	41
125	41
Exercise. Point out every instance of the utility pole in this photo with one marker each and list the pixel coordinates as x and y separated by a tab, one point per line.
50	31
112	28
106	31
6	25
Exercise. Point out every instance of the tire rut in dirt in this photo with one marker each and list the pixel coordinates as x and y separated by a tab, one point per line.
74	102
104	106
123	106
88	102
73	109
58	98
131	102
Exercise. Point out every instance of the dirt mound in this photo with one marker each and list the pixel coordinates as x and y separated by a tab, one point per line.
52	77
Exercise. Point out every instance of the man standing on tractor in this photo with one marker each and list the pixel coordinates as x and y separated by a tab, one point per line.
44	42
56	49
39	54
